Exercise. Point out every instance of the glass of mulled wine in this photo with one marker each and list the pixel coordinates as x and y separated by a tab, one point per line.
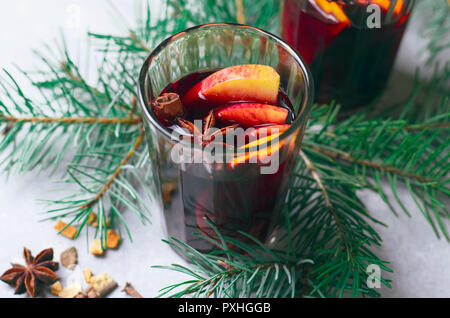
225	108
350	45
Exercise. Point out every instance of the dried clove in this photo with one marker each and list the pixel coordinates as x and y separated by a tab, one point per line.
129	289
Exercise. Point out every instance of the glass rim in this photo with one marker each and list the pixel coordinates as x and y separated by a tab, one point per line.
307	78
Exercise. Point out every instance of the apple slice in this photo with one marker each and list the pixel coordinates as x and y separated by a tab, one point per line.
252	114
251	82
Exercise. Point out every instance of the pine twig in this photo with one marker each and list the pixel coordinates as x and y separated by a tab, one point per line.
428	126
346	157
318	180
116	172
138	42
77	79
72	120
240	15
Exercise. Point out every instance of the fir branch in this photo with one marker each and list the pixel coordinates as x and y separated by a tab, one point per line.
371	150
346	157
309	165
116	172
93	125
77	79
428	126
139	43
70	120
251	271
320	210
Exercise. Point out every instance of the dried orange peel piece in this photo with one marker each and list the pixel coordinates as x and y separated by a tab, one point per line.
68	231
96	247
334	9
112	239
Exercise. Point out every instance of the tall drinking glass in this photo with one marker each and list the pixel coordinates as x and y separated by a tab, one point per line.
200	196
350	45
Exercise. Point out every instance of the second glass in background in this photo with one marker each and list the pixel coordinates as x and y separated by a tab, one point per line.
350	57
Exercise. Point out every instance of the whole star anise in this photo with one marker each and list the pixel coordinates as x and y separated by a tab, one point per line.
38	272
208	134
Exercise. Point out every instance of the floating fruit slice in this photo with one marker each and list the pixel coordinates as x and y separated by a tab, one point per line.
252	114
251	82
333	10
257	156
264	135
386	4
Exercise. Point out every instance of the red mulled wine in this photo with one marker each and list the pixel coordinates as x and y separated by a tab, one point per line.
245	102
350	56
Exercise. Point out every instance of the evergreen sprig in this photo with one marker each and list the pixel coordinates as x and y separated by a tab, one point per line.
242	271
325	240
95	129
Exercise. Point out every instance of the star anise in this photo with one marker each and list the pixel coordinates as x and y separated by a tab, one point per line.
38	272
208	134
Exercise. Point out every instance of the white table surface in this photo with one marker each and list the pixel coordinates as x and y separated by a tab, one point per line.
420	261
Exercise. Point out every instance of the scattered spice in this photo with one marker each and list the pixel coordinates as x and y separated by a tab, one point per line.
210	121
69	258
38	272
71	291
167	190
208	134
56	288
96	247
83	293
104	291
112	239
87	273
168	106
102	285
69	231
130	291
189	126
92	218
99	281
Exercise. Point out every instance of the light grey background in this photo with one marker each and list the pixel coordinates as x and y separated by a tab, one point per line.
420	261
